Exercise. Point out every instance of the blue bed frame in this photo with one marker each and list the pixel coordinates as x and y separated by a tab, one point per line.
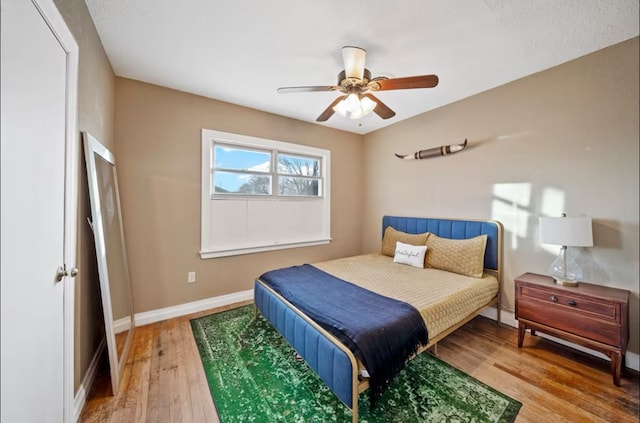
327	356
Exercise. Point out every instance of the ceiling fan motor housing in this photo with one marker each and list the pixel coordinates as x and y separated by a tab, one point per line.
346	83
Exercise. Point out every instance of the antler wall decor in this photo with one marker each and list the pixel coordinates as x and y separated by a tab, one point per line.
444	150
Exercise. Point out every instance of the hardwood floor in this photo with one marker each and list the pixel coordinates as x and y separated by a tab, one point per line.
164	380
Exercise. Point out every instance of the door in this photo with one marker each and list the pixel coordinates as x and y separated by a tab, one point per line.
38	211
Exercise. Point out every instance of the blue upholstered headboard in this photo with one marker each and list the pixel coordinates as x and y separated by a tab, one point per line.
454	229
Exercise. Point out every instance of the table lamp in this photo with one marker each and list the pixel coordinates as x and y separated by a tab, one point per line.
567	232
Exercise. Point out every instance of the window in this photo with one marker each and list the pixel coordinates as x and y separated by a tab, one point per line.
299	175
244	171
261	195
239	170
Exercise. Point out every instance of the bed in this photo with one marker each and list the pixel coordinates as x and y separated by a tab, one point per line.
462	275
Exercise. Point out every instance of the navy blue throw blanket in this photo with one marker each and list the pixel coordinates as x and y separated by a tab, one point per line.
381	332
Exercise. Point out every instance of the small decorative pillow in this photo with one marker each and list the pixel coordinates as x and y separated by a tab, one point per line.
413	255
463	256
391	236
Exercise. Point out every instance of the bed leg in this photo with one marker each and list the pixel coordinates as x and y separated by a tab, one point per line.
499	309
354	392
434	349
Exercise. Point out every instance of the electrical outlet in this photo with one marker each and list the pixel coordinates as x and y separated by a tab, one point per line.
191	277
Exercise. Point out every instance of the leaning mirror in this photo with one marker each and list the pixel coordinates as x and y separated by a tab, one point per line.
111	254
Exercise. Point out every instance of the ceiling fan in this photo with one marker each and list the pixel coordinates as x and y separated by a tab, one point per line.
355	84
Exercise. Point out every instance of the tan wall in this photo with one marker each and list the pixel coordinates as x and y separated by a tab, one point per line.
158	138
563	140
573	128
96	90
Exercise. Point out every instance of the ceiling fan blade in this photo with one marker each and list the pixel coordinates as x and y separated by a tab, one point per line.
353	58
328	112
286	90
421	81
381	109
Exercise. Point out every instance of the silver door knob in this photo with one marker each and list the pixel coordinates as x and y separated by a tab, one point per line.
61	272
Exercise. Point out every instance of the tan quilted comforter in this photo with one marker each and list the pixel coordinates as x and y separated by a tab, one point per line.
442	298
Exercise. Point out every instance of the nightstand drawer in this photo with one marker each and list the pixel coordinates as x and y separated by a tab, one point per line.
566	319
576	303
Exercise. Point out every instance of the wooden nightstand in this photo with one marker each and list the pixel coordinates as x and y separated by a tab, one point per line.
593	316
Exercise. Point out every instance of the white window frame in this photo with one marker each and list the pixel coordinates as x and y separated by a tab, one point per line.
212	247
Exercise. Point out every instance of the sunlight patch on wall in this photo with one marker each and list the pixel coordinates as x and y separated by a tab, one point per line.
551	205
511	206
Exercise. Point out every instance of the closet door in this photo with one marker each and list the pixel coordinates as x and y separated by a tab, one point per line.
39	193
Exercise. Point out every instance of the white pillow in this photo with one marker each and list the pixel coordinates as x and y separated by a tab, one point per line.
413	255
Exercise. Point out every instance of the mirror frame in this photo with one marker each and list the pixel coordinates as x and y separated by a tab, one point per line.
93	147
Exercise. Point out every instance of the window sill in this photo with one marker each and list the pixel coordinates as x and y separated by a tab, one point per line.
207	254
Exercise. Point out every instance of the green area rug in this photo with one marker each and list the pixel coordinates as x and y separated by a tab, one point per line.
254	377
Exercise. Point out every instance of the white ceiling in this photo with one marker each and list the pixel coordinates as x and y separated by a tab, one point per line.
241	51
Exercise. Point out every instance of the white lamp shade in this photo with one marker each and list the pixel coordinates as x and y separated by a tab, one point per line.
353	103
367	105
341	108
569	231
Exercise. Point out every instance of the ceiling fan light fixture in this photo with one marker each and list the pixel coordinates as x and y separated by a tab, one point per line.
341	108
356	86
367	105
355	106
353	58
353	103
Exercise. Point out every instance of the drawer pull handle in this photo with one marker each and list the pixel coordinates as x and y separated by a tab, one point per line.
572	303
553	298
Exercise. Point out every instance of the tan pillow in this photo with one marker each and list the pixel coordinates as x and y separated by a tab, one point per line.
391	236
463	256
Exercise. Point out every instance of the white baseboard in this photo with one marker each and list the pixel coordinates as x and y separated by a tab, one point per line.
87	381
122	325
632	360
158	315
